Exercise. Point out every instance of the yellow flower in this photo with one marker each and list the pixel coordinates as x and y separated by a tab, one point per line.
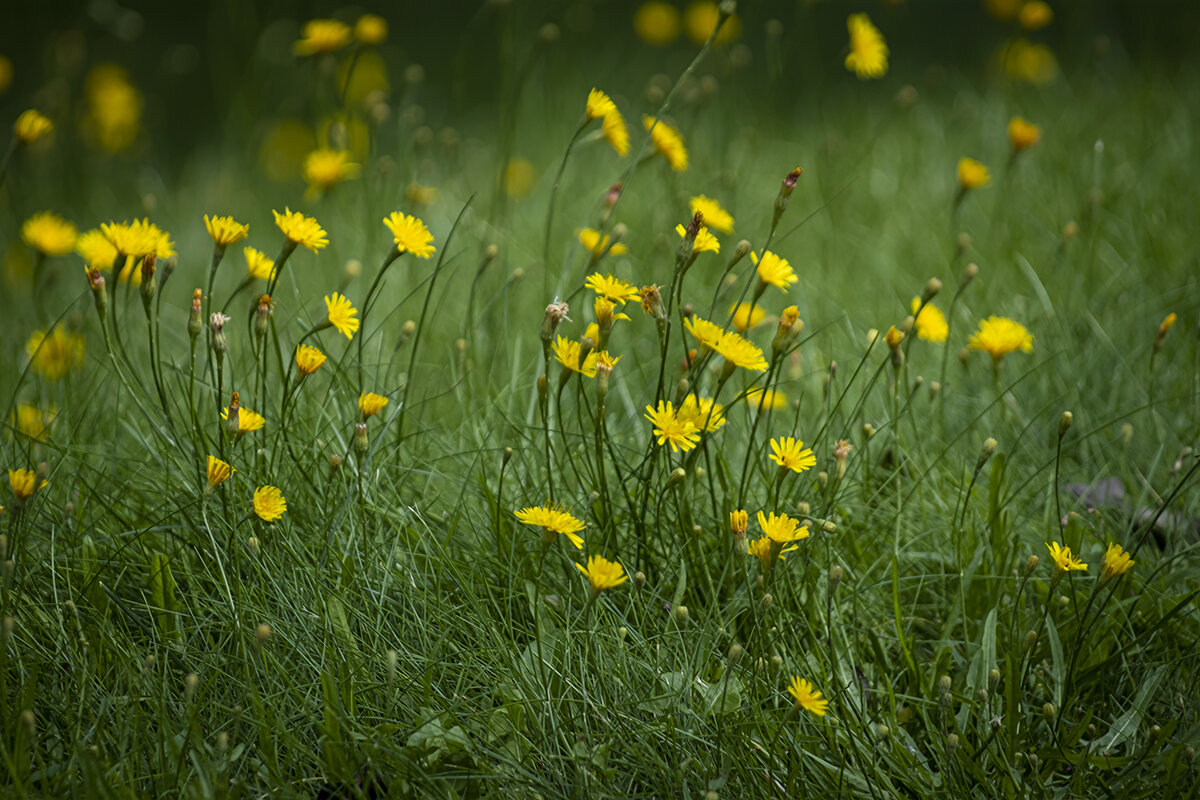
300	229
614	289
680	434
1116	561
705	241
410	234
322	36
739	521
713	215
218	472
807	697
972	174
56	354
656	23
1028	61
138	238
591	239
519	177
603	574
1022	134
114	114
225	230
605	311
703	413
667	142
1063	560
31	126
552	520
259	265
868	57
24	483
999	336
774	271
769	398
6	73
568	353
740	352
371	404
32	421
247	420
599	105
308	359
371	29
766	552
341	314
790	453
746	315
325	168
269	503
613	126
49	234
931	322
421	195
97	251
708	334
1035	15
700	19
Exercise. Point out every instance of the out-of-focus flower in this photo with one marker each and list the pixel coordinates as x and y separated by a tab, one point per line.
56	354
868	57
322	36
656	23
114	114
700	20
50	234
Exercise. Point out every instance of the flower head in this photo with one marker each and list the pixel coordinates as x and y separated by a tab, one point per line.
614	289
308	359
774	271
56	354
700	20
371	404
603	574
656	22
705	241
1022	134
972	174
301	230
615	132
1034	15
598	105
781	529
247	420
1116	561
739	352
999	336
24	483
325	168
218	472
680	434
50	234
95	248
790	453
371	29
930	322
322	36
739	521
225	230
138	238
1064	561
704	414
597	244
769	399
32	421
259	265
341	314
708	334
31	126
269	503
868	57
667	142
746	315
766	551
807	696
552	520
410	234
714	215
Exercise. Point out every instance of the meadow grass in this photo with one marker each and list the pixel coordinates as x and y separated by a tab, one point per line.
399	630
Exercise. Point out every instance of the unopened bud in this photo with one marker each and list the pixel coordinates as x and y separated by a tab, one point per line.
262	316
335	463
676	477
261	634
680	614
233	416
767	601
836	573
360	439
989	447
639	579
1048	711
253	544
1030	565
1030	640
962	242
148	286
868	430
190	684
736	651
993	679
951	741
945	683
968	275
1064	423
99	292
932	287
217	323
508	453
29	721
612	195
741	251
195	318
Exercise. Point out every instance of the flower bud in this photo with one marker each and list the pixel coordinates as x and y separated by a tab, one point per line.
262	316
945	683
217	323
1030	565
680	614
253	544
233	416
836	573
989	447
767	600
1064	423
676	477
639	579
190	684
932	287
968	275
1048	712
556	312
952	741
508	453
261	634
195	318
1030	640
652	302
99	293
148	286
736	651
360	439
993	679
335	462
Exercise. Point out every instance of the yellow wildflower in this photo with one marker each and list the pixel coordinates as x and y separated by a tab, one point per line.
807	697
614	289
247	420
603	574
667	142
999	336
24	483
371	404
568	352
341	314
269	503
218	472
790	453
713	214
972	174
656	23
32	421
704	414
552	520
708	334
868	57
50	234
599	105
325	168
774	271
95	248
705	242
1022	134
769	398
371	29
597	245
931	322
747	315
680	434
410	234
56	354
114	114
739	352
308	359
1064	561
32	125
322	36
301	230
1035	15
1116	561
613	127
700	20
259	265
225	230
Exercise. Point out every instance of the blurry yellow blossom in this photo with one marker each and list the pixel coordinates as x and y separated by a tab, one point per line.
615	132
1035	15
1064	560
114	108
371	404
24	483
999	336
766	552
1027	61
700	20
656	23
259	265
667	142
598	105
747	315
712	214
1022	134
138	238
596	244
218	472
769	398
49	234
56	354
371	29
95	248
325	168
1002	9
247	420
1116	561
868	57
568	352
972	174
284	147
518	177
32	125
364	78
739	352
322	36
420	195
410	234
32	421
931	322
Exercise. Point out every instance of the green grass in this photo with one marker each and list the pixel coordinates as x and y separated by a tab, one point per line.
422	640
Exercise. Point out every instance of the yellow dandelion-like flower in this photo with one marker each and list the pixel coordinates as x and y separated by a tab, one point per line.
568	352
1116	561
50	234
371	404
739	521
703	414
705	241
790	453
56	354
868	57
308	359
615	131
781	529
931	322
1064	561
972	174
95	248
708	334
371	29
247	420
114	106
269	503
597	244
768	398
24	483
614	289
741	353
421	195
713	214
518	177
1032	62
680	434
322	36
341	314
667	142
552	520
1022	134
767	551
774	271
325	168
807	697
999	336
137	239
603	574
1035	15
410	234
32	421
700	20
32	125
606	312
746	315
656	23
599	105
218	472
301	230
259	265
225	230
